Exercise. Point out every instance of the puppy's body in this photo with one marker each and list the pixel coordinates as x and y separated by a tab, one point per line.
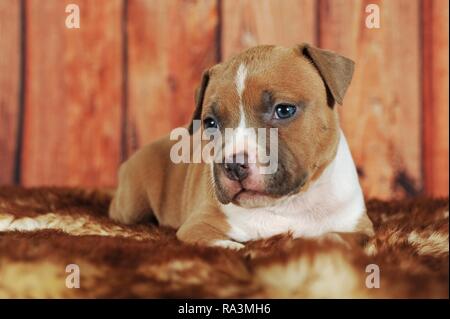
176	194
315	189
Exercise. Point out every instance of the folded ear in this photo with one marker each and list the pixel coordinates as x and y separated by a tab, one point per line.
199	97
335	70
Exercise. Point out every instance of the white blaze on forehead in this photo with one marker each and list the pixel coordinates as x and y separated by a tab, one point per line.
243	139
241	75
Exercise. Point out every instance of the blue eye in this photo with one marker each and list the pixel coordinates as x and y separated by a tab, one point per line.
285	111
210	123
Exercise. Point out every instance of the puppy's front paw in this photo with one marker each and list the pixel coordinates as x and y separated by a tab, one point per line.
229	244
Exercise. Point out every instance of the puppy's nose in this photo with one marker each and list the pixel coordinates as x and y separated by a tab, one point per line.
236	171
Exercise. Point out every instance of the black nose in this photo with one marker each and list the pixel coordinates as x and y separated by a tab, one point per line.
236	171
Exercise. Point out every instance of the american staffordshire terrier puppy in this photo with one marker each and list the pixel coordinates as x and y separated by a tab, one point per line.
314	190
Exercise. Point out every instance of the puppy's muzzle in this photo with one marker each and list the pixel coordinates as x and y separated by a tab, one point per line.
237	169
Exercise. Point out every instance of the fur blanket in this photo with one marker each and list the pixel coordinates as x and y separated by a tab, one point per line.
45	229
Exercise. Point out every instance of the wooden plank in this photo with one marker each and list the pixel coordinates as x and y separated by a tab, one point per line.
170	43
9	86
435	96
73	94
381	115
246	23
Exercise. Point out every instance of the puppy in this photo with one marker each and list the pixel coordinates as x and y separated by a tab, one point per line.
314	189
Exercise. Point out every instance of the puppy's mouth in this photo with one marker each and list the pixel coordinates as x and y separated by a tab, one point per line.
250	193
252	198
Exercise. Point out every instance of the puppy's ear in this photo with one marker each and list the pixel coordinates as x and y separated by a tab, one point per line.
335	70
199	96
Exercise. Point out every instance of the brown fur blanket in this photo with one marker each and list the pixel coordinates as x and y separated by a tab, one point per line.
45	229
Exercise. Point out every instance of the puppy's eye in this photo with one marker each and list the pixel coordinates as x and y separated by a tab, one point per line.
284	111
210	123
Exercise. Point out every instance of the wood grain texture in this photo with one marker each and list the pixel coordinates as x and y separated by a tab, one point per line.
435	96
246	23
382	109
73	94
170	43
9	86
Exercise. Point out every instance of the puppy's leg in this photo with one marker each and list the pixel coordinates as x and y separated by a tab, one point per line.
207	229
130	203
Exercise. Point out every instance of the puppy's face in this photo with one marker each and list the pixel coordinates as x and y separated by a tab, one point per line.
268	87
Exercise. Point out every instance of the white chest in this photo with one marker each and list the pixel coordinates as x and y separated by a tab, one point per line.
334	202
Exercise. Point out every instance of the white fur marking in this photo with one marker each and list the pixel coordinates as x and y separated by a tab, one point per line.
229	244
235	144
241	75
334	202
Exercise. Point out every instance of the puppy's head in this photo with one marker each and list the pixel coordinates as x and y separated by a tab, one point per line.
292	90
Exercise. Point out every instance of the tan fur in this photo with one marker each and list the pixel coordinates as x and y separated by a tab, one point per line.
186	196
177	194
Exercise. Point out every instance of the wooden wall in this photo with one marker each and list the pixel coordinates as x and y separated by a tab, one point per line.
74	103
